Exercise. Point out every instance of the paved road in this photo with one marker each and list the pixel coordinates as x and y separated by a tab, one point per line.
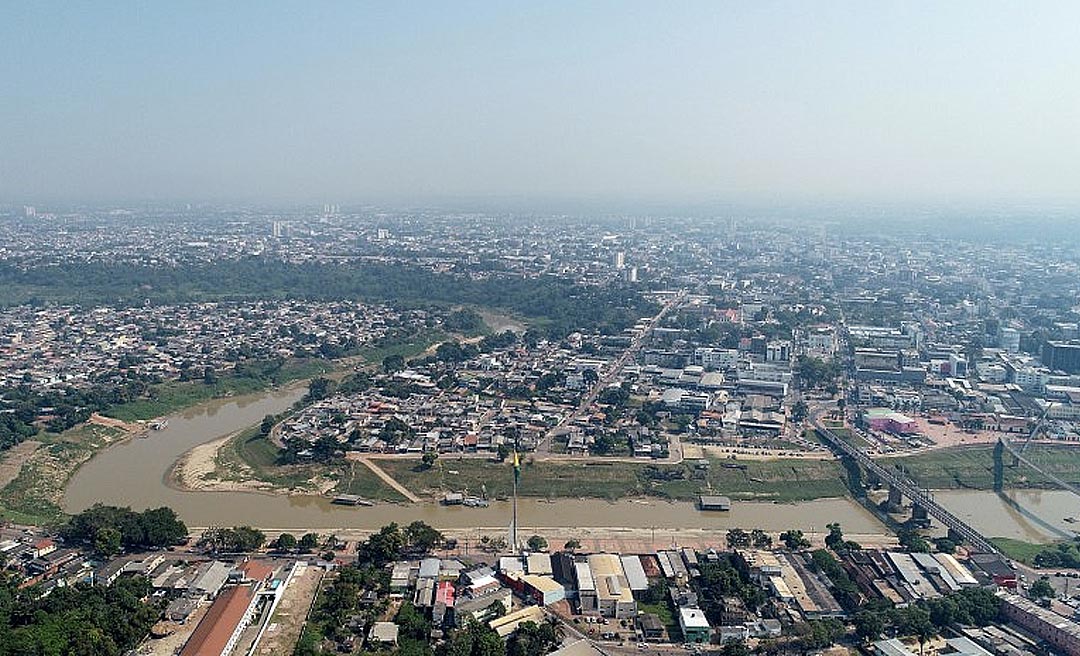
612	372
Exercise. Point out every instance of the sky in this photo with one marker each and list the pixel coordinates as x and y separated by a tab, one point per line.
349	102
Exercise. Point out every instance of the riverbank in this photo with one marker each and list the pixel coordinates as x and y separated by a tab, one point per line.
972	467
34	489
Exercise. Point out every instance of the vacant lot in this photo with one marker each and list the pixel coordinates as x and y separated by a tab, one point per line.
289	617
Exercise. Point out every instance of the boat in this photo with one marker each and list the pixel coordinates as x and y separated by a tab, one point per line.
351	500
1071	520
159	425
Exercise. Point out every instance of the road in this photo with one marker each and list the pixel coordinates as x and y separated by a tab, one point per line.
612	373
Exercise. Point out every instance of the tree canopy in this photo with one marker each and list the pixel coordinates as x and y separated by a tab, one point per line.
110	526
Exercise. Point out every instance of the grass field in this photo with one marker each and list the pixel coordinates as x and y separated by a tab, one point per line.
789	480
972	467
1018	549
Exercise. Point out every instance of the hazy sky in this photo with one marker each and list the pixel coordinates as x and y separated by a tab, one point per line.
346	102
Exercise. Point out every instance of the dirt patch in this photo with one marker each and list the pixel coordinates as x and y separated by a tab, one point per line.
170	644
201	469
14	459
197	470
289	617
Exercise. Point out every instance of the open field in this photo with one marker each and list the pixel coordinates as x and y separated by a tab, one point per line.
972	467
1018	549
781	480
407	347
33	495
13	459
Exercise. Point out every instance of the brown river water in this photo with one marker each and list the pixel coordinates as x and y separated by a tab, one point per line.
134	473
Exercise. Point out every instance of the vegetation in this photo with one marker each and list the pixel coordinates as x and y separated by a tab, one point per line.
1062	554
758	479
104	621
393	542
108	529
239	539
340	600
794	540
1042	589
559	305
926	618
33	496
971	467
723	578
1020	550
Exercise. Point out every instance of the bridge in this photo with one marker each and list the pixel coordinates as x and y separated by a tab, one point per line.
899	484
1016	450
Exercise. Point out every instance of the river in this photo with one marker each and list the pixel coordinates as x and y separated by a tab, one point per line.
133	473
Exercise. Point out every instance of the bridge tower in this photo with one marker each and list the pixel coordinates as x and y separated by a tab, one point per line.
999	466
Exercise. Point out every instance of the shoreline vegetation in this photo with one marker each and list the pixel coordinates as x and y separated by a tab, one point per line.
34	494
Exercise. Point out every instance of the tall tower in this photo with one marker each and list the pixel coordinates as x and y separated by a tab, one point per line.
513	515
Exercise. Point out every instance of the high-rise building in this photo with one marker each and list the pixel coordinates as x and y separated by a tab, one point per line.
620	260
1061	356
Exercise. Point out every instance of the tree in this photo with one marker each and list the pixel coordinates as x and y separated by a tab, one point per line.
267	425
157	527
537	543
107	542
794	540
912	541
799	411
573	544
393	363
734	648
428	459
421	537
319	388
869	625
285	542
308	542
835	539
1042	589
239	539
737	538
916	622
760	539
